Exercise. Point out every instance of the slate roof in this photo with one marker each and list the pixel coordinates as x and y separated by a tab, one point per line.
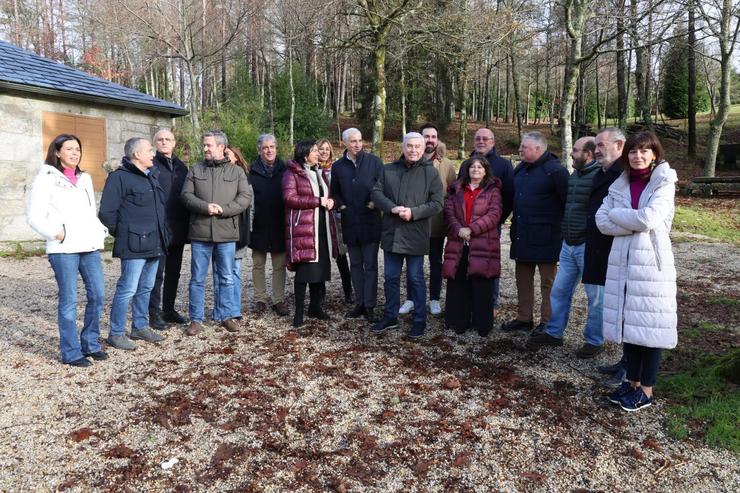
25	71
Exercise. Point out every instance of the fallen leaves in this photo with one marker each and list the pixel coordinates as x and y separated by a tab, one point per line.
81	435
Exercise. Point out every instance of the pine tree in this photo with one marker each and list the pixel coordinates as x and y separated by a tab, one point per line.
675	98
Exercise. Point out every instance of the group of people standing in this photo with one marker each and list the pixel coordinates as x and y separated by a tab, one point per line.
606	224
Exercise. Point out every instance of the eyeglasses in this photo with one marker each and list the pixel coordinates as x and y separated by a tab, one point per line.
483	139
165	139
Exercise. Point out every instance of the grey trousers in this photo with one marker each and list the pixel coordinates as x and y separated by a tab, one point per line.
363	261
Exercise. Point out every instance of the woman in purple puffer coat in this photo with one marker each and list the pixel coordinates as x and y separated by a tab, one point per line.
473	252
310	232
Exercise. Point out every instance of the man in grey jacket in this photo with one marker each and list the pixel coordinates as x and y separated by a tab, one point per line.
409	192
215	193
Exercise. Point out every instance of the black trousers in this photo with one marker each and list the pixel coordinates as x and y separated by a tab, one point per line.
469	302
168	278
344	273
642	363
364	269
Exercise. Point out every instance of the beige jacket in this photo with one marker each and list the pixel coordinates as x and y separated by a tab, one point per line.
447	175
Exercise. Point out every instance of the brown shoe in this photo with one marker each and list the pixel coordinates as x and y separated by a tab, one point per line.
260	308
194	329
230	324
281	309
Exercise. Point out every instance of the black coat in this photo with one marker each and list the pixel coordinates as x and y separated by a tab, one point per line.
598	245
132	208
418	187
504	171
576	204
540	190
172	174
350	188
268	209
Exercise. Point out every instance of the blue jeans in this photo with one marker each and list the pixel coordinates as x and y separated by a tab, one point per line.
393	263
136	281
224	305
570	271
237	277
65	267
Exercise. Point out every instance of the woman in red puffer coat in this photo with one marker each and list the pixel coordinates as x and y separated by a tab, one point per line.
473	252
310	231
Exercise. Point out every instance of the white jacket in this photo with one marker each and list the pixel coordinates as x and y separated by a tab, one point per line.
56	205
640	289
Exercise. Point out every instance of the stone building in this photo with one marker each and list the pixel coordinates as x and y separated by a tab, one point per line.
40	99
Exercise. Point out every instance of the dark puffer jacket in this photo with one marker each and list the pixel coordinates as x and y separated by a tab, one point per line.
416	186
484	259
132	208
598	245
216	182
576	204
540	189
302	209
350	188
172	174
268	209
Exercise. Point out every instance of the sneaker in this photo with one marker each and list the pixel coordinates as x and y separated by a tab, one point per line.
417	330
370	315
146	334
174	318
79	363
434	307
230	324
194	329
384	324
616	379
157	322
610	369
515	325
588	351
357	312
635	400
624	389
97	355
406	308
281	308
536	341
121	342
260	308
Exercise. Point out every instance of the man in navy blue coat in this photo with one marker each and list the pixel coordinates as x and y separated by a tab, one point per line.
353	177
132	208
540	191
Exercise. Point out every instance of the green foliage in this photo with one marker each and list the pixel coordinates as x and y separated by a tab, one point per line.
734	87
675	97
16	250
717	225
310	119
706	396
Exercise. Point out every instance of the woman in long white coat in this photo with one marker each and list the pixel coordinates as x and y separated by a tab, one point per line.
640	290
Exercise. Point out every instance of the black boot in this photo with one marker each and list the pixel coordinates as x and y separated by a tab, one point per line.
300	301
317	292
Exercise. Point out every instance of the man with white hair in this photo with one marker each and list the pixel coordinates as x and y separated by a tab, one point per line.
409	192
132	208
540	191
353	177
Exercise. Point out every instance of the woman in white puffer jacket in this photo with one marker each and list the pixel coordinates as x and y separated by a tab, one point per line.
61	208
640	290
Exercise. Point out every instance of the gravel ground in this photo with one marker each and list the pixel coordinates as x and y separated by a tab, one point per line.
329	407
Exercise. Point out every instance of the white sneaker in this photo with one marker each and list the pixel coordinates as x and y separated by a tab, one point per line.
406	308
434	307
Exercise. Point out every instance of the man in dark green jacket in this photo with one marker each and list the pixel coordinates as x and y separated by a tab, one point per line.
570	268
215	193
409	192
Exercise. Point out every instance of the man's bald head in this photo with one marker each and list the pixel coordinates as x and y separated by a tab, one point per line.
484	141
583	152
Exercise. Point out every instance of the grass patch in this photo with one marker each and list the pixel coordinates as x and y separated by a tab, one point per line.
21	253
724	301
706	401
716	225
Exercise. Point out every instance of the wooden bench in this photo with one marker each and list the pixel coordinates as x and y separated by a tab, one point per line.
707	187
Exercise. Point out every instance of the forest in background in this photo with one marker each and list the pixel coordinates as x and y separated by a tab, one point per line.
297	68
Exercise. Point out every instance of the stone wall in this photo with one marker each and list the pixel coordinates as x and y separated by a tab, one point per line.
21	134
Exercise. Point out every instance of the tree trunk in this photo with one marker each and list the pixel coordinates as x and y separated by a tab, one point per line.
403	100
621	75
570	81
598	93
506	94
463	130
723	110
692	81
517	96
291	136
379	101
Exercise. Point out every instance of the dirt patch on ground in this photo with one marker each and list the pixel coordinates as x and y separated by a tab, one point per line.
328	407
